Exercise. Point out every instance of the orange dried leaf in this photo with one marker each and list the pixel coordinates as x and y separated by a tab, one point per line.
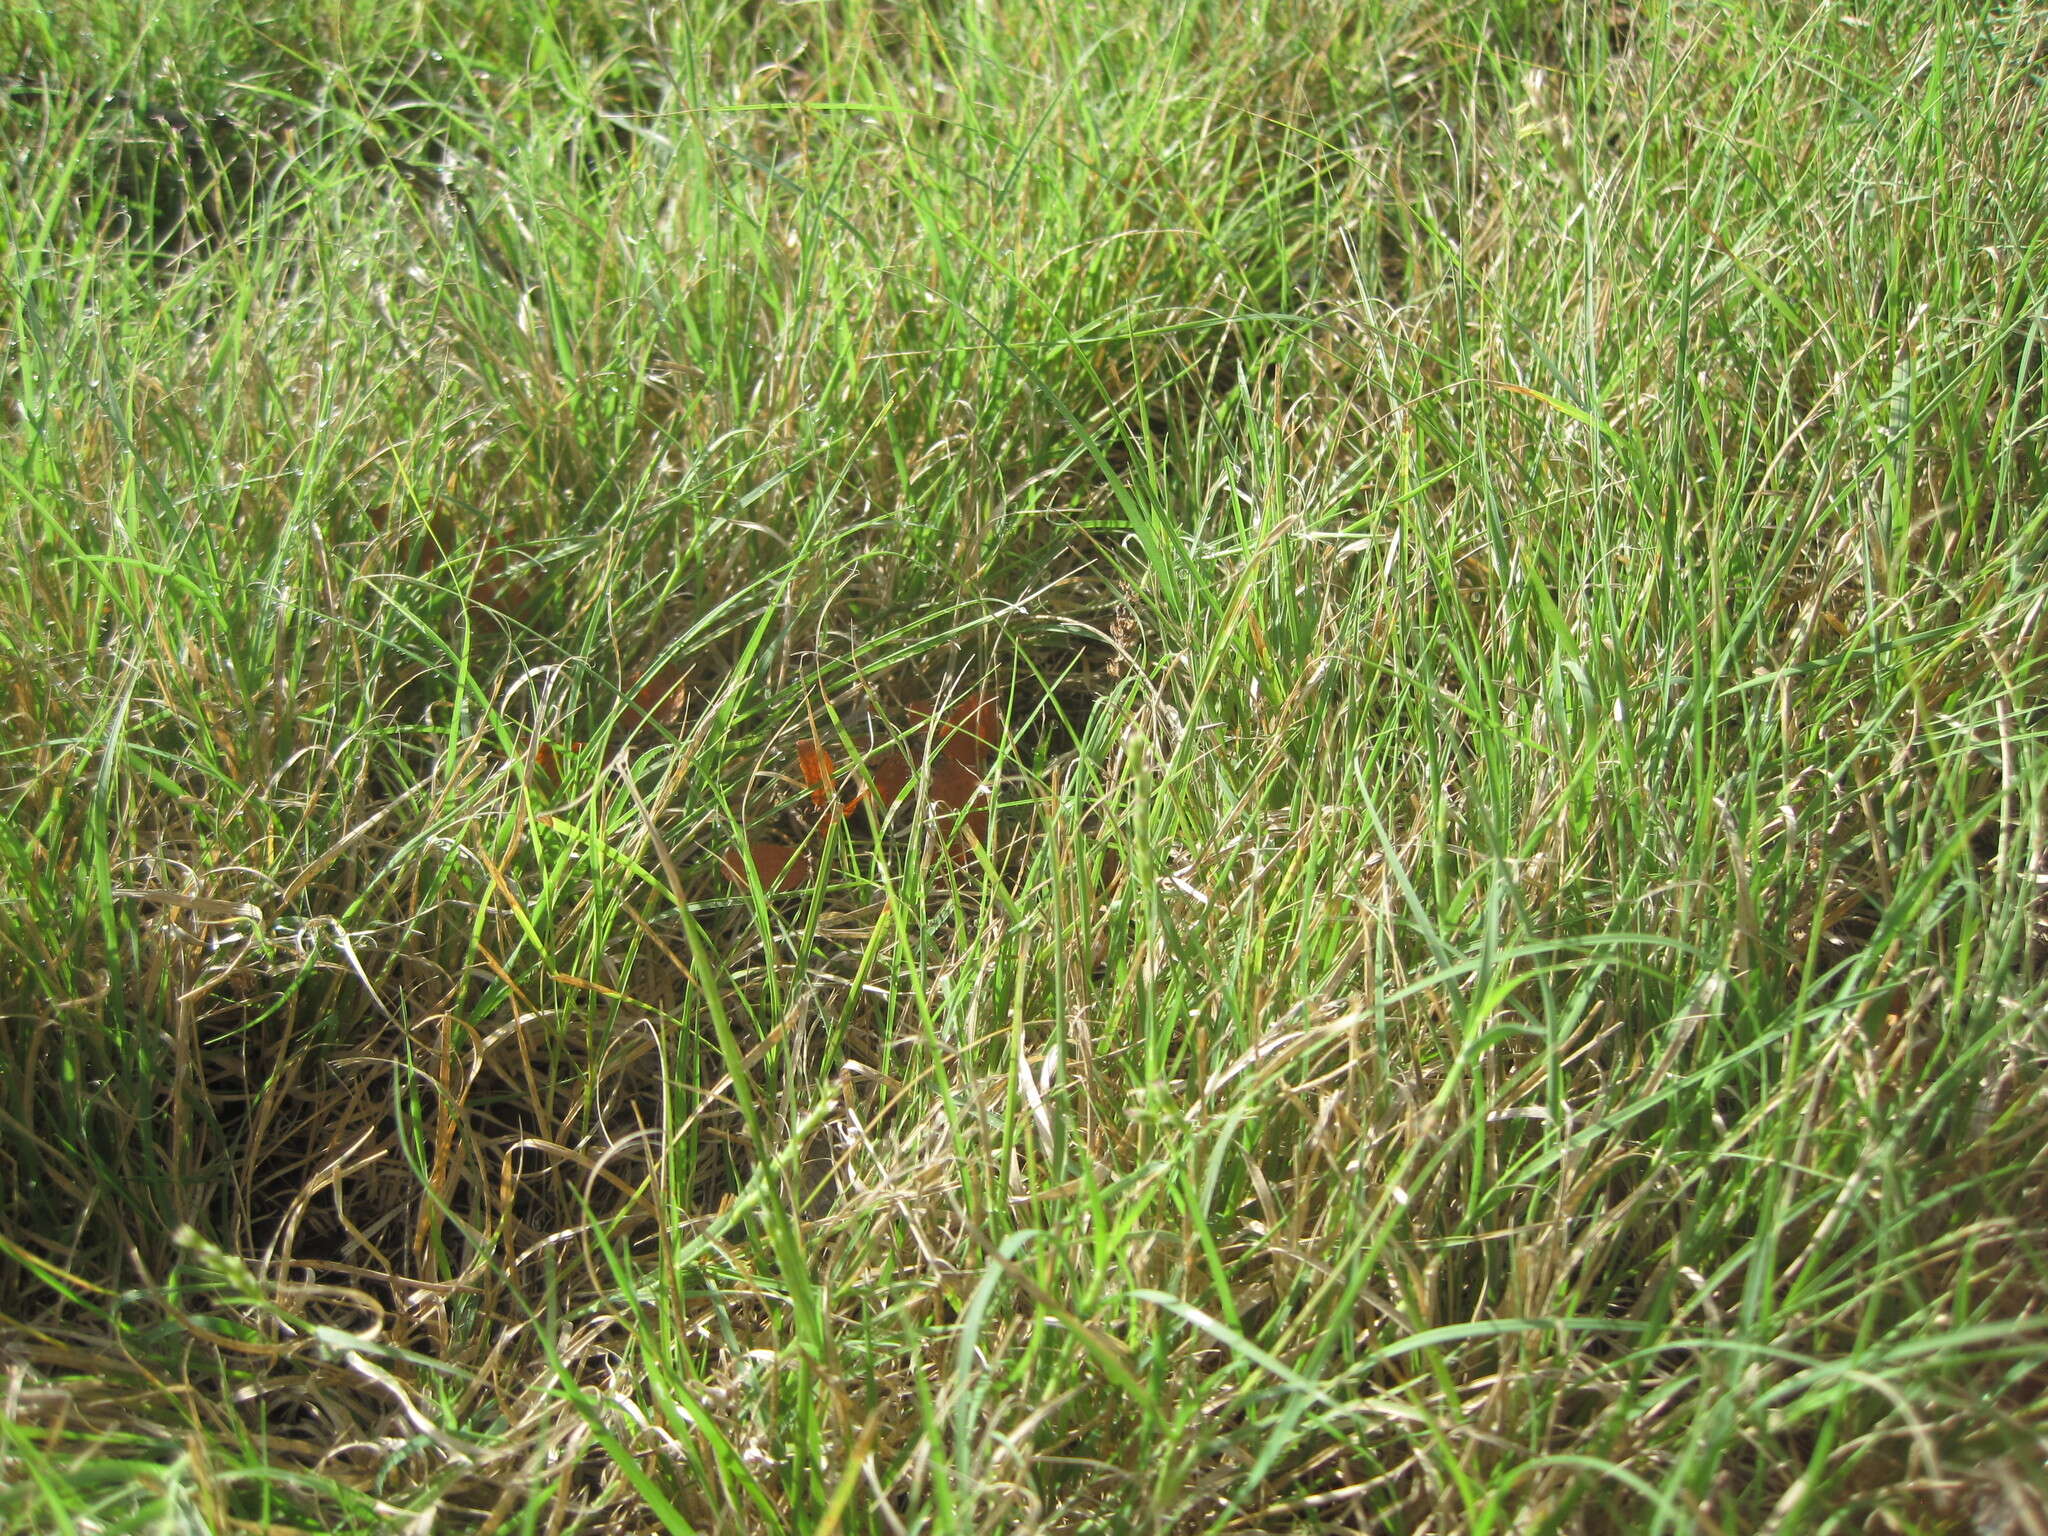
952	786
547	762
503	596
815	763
968	832
961	799
973	729
547	766
890	775
659	698
878	781
779	867
968	732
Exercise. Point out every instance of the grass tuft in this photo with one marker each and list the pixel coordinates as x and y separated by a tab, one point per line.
1481	966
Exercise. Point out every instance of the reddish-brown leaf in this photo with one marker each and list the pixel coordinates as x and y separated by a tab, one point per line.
498	587
660	696
779	867
968	832
547	766
877	782
952	787
976	729
886	776
961	799
967	733
815	763
965	737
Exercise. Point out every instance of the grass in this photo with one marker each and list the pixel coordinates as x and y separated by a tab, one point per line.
1504	985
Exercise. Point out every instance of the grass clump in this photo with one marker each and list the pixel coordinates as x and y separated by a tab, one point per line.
1496	977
